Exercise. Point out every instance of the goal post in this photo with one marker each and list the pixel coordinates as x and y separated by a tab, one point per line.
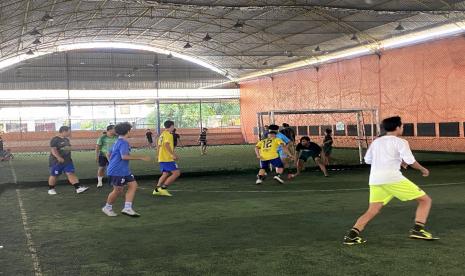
362	130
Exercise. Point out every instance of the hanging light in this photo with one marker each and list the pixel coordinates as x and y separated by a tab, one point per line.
290	54
187	46
317	49
207	37
354	37
238	25
265	63
400	27
30	52
37	41
170	55
47	18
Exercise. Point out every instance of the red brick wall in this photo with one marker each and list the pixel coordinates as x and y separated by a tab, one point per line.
422	83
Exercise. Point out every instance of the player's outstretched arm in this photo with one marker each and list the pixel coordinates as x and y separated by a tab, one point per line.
424	171
135	157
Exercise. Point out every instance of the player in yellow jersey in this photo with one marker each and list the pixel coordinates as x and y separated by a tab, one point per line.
167	160
267	151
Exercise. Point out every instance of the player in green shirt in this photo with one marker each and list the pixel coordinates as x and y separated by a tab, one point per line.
104	144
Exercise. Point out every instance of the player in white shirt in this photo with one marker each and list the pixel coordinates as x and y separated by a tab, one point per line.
386	155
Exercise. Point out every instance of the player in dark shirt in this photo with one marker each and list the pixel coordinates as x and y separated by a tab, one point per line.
148	135
60	162
303	151
203	141
176	138
328	145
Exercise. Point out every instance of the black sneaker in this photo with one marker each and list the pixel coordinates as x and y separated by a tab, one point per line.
422	235
352	241
277	178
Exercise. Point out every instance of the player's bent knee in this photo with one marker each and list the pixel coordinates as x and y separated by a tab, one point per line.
425	199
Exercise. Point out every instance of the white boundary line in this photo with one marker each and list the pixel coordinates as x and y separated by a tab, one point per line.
27	230
308	190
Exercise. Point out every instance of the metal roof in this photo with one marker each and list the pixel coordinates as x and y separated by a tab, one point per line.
246	35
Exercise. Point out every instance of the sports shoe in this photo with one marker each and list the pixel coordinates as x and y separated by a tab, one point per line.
356	240
259	181
109	212
81	189
422	235
277	178
52	192
130	212
99	185
161	192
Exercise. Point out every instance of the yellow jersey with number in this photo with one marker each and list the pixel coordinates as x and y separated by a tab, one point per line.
269	148
163	154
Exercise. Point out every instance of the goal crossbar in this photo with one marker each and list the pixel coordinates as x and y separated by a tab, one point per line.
358	112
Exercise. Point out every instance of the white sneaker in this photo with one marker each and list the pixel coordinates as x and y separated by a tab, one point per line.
130	212
259	181
81	189
109	212
52	192
277	178
99	185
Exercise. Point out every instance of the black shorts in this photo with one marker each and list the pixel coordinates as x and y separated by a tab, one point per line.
102	161
120	181
203	143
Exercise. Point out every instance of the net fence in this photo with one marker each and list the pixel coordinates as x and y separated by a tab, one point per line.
230	147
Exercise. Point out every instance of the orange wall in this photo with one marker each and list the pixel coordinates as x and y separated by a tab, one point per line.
422	83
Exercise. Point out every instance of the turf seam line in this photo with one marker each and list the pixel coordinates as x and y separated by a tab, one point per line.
13	172
315	190
27	230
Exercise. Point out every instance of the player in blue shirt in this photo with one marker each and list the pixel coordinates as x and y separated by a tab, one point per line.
284	157
119	173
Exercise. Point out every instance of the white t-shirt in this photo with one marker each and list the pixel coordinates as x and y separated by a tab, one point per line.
385	156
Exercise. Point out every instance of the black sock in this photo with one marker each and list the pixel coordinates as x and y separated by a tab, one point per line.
51	187
353	233
76	186
418	226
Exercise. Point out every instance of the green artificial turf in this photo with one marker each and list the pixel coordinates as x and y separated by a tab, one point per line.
226	225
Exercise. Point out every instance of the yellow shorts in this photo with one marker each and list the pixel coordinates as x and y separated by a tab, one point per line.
403	190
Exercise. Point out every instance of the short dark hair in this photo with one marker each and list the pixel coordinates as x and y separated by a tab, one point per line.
64	129
286	125
272	132
205	129
123	128
328	130
391	123
273	127
110	127
306	138
168	124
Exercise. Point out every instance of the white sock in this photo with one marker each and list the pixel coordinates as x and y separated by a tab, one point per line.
100	178
108	206
127	205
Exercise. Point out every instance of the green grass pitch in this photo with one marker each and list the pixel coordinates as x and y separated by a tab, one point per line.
226	225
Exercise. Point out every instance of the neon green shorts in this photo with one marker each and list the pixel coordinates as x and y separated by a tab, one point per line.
403	190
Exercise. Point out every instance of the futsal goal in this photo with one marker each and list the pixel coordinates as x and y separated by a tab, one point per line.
351	128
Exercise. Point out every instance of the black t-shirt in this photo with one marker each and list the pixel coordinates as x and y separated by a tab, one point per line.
328	142
289	132
311	147
148	134
203	137
64	149
175	139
